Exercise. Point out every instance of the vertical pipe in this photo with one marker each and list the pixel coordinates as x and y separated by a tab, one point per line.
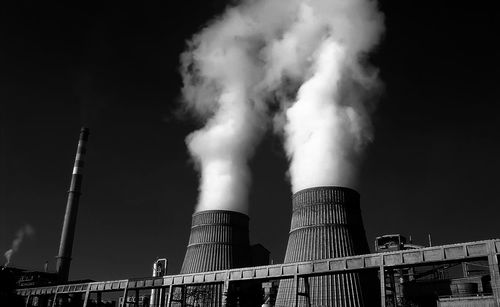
68	231
159	270
154	292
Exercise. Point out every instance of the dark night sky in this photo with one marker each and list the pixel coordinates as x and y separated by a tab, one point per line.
433	167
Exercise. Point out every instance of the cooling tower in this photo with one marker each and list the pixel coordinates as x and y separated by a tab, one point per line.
219	240
326	223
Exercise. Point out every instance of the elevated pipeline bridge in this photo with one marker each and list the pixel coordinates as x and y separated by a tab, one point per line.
461	252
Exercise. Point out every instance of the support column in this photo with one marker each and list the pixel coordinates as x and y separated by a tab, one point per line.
169	299
296	290
225	294
382	282
54	301
160	299
494	271
307	292
392	284
125	292
136	304
27	303
465	269
87	295
183	296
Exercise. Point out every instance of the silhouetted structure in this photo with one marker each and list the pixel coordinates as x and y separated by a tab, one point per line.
219	240
68	231
326	223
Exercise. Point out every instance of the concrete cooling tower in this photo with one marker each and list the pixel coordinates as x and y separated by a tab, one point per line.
219	240
326	223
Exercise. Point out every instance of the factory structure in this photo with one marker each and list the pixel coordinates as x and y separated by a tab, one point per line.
327	263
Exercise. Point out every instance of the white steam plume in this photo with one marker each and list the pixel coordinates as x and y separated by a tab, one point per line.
306	53
220	72
26	230
328	125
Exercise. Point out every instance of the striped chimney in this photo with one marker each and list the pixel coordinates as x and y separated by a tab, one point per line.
68	231
326	223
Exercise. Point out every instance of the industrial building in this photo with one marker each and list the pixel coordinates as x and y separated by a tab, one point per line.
327	263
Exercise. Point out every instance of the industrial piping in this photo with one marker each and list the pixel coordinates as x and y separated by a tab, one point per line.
68	231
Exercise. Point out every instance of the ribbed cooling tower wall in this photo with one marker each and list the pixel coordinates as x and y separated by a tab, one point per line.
326	223
219	240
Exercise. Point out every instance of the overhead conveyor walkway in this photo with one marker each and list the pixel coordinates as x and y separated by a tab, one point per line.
454	253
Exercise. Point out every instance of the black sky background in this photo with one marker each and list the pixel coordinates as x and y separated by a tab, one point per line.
433	167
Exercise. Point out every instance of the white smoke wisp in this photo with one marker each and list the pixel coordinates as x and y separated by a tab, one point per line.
328	125
317	127
220	72
26	230
306	53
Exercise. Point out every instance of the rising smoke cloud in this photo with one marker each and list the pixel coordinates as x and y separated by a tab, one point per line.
308	56
220	73
328	124
26	230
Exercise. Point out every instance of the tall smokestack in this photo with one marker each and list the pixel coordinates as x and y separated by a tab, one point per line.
68	231
326	223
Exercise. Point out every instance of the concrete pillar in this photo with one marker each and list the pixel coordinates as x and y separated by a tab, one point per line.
465	269
494	271
125	293
183	296
382	282
170	293
296	290
160	299
54	300
225	294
